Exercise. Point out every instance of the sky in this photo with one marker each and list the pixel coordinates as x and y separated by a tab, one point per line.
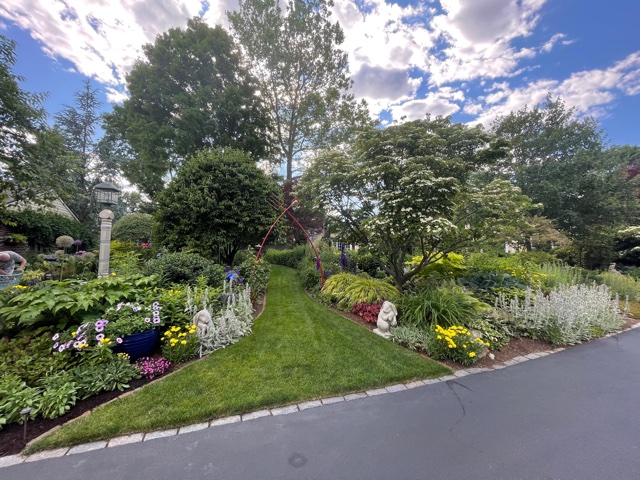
472	59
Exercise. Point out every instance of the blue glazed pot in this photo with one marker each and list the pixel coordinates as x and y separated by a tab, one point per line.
139	345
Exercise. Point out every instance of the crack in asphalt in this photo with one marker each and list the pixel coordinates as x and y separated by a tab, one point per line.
464	411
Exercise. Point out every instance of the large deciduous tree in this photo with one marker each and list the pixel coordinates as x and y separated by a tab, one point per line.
410	189
560	161
218	203
303	74
189	92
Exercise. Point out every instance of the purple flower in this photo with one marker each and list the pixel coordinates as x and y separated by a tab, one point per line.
76	344
77	242
55	345
99	328
156	314
119	340
156	319
68	344
100	336
156	305
56	336
100	323
119	306
148	320
61	348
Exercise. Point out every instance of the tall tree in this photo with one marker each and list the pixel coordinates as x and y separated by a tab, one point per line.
77	124
217	204
29	151
410	189
189	92
303	74
560	161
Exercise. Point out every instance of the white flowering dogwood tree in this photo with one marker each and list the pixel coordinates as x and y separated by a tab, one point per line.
416	189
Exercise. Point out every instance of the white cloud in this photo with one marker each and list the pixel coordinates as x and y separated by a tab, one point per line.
101	39
416	109
590	92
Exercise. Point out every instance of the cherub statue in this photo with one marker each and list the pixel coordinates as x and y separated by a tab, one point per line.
202	321
386	319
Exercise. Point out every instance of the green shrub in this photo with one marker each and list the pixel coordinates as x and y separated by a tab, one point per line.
29	357
366	290
444	306
536	257
288	258
256	275
309	276
364	261
135	228
42	229
623	285
180	343
558	273
184	267
450	265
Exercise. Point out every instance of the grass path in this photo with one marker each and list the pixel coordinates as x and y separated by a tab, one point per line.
299	350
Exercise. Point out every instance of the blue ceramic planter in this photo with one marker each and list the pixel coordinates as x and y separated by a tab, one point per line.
139	345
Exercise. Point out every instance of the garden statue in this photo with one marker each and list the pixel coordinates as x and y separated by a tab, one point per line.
202	321
386	319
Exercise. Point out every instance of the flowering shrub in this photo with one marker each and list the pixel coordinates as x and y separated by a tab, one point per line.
180	344
568	315
129	318
367	311
152	367
455	343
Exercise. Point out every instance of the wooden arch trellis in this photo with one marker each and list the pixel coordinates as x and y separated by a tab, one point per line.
276	204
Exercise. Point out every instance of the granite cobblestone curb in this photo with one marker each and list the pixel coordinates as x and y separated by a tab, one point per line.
299	407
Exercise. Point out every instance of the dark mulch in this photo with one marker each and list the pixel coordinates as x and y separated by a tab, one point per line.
11	436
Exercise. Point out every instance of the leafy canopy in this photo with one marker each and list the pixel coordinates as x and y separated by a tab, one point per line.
216	204
189	92
410	189
302	72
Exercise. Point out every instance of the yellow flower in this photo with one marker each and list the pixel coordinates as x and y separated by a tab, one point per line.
472	354
183	342
73	334
168	333
113	274
439	337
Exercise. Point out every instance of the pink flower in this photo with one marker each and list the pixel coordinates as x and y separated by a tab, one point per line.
119	340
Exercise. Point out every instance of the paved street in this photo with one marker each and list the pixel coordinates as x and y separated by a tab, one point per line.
570	415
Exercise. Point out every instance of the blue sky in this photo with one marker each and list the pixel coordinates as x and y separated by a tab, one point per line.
472	59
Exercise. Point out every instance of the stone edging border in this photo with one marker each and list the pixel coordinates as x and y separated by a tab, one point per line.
298	407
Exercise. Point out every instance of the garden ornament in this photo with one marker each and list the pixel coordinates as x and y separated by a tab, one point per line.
386	319
202	321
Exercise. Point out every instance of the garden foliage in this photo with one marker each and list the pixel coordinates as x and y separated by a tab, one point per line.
567	315
185	268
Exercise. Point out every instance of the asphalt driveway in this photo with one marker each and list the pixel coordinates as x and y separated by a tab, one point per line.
570	415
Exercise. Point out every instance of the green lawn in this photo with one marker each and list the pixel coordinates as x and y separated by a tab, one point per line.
299	350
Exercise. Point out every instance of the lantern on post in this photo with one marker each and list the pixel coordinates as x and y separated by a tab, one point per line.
106	194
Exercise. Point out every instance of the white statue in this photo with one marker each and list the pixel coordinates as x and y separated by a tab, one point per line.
386	319
202	320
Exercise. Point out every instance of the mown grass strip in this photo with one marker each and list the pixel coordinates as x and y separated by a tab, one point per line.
299	350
